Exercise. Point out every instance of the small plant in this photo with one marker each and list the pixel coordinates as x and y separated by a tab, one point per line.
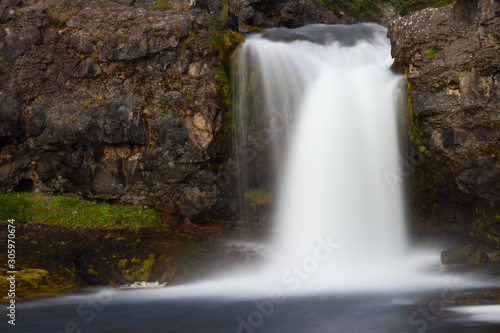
162	5
430	53
493	151
87	102
157	33
62	21
60	16
96	99
457	74
257	196
192	38
119	34
95	55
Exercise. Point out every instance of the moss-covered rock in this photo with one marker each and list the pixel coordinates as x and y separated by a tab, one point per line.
140	270
457	255
52	259
478	258
37	282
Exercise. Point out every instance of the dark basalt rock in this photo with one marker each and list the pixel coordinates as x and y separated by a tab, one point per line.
457	255
77	257
453	66
116	101
284	13
478	258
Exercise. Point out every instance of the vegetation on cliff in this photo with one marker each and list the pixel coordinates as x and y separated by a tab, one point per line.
70	212
224	41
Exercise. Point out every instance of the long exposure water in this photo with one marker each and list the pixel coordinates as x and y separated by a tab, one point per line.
338	258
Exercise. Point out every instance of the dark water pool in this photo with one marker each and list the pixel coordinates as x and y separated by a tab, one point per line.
123	312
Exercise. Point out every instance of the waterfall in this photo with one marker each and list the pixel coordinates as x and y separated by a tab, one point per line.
332	87
322	104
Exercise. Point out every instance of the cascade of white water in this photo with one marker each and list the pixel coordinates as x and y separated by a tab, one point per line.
340	222
335	186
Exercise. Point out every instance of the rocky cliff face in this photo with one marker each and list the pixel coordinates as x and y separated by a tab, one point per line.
119	102
116	102
452	60
283	13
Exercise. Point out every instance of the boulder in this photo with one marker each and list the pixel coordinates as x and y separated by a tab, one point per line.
457	255
478	258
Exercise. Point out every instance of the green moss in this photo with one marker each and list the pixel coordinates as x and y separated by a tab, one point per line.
140	272
94	56
430	53
252	28
36	282
162	5
87	102
122	263
492	150
191	39
68	212
224	41
97	99
413	127
257	196
59	16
